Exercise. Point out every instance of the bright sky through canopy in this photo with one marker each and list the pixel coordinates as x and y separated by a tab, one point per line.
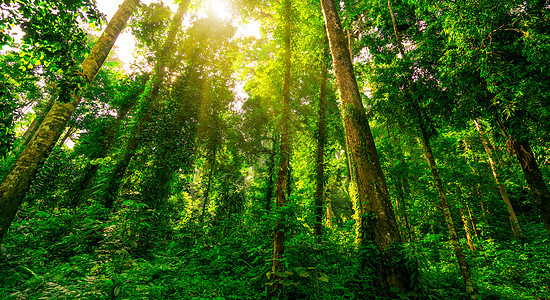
125	43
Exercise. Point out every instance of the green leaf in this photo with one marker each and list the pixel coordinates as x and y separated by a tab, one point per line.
302	272
288	282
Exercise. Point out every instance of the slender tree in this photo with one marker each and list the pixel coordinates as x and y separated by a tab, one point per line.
16	182
516	229
321	141
425	141
285	151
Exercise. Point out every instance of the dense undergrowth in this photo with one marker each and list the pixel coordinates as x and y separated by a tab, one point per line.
90	254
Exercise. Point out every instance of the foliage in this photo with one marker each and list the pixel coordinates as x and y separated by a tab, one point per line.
194	215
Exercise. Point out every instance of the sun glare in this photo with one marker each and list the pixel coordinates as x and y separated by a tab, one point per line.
221	9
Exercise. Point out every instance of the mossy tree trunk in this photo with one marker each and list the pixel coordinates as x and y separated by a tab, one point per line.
377	218
36	122
285	151
16	182
270	168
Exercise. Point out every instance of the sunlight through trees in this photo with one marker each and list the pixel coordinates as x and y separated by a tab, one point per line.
259	149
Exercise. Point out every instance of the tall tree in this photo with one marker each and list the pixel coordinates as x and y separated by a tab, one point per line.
502	67
535	181
285	150
514	223
425	141
420	120
16	182
377	217
146	108
321	141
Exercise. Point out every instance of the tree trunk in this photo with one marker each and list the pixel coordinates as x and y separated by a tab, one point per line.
285	152
516	230
89	172
271	167
16	182
68	134
36	123
526	158
472	220
466	224
146	109
464	268
484	209
402	196
373	196
329	214
212	164
321	141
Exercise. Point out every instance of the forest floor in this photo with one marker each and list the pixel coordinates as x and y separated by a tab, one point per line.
92	254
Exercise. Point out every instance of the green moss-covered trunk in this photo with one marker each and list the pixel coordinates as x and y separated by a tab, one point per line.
526	158
36	123
285	152
374	200
270	168
16	182
80	186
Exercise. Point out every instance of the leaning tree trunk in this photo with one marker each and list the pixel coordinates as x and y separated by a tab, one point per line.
526	158
516	230
36	123
466	223
464	268
321	141
377	217
16	182
285	152
146	109
81	185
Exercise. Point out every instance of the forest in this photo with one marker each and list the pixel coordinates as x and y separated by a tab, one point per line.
352	149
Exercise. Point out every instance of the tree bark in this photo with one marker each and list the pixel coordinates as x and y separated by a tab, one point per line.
285	152
526	158
467	230
484	208
373	195
16	182
269	188
36	123
82	183
516	229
